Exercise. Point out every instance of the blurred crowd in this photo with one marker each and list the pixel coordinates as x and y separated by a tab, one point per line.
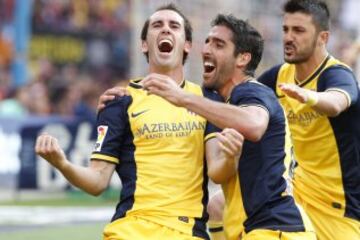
81	15
69	89
65	92
72	89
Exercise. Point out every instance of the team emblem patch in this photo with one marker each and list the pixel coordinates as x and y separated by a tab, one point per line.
101	134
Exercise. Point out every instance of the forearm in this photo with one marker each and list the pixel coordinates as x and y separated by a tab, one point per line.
88	179
217	113
93	179
223	154
225	116
220	114
331	103
221	169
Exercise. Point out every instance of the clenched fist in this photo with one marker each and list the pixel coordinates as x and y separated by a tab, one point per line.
48	148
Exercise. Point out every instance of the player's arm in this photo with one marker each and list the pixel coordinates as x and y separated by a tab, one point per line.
93	179
337	90
222	155
110	94
330	103
251	121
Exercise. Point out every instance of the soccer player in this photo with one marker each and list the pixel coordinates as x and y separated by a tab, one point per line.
156	149
321	99
257	204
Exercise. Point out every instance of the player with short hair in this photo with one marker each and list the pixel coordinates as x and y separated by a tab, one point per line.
257	205
321	99
156	149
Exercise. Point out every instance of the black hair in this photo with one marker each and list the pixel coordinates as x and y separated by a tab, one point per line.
245	38
187	26
315	8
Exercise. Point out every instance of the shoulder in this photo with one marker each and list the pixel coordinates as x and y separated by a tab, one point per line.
270	76
116	108
337	70
253	88
255	93
337	74
271	72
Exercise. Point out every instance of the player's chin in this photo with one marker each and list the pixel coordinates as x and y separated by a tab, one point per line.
291	58
288	60
207	83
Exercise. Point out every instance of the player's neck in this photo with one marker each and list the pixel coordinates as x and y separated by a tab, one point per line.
226	90
305	69
176	74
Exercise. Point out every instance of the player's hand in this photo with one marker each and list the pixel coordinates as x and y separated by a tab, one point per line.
48	148
109	95
165	87
231	143
295	92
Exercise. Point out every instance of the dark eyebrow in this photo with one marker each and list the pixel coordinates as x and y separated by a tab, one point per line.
294	27
219	40
161	21
155	22
174	22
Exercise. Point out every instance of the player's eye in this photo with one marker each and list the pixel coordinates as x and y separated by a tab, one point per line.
219	45
156	25
175	26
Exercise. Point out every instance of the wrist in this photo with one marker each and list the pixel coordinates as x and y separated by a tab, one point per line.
63	166
184	99
312	98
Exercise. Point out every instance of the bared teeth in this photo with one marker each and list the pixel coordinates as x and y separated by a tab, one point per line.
165	41
208	64
209	67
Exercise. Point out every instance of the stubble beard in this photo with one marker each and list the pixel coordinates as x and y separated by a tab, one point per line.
302	57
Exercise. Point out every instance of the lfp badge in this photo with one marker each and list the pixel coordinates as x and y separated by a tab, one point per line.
101	134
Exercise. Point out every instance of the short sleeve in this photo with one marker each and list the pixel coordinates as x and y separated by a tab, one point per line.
111	124
210	131
252	94
269	77
339	78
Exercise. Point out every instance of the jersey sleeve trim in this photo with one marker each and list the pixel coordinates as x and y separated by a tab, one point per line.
348	98
104	158
255	105
209	136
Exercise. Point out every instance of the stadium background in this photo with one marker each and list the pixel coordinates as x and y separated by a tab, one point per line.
58	56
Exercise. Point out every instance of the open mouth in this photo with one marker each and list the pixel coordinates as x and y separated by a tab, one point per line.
209	67
289	49
165	46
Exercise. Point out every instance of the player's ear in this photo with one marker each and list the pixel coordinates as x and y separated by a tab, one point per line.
243	59
187	46
144	47
323	37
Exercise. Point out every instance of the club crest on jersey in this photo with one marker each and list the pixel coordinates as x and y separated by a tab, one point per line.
101	134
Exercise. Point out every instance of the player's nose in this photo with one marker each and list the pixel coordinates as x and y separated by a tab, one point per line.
205	49
165	29
288	36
